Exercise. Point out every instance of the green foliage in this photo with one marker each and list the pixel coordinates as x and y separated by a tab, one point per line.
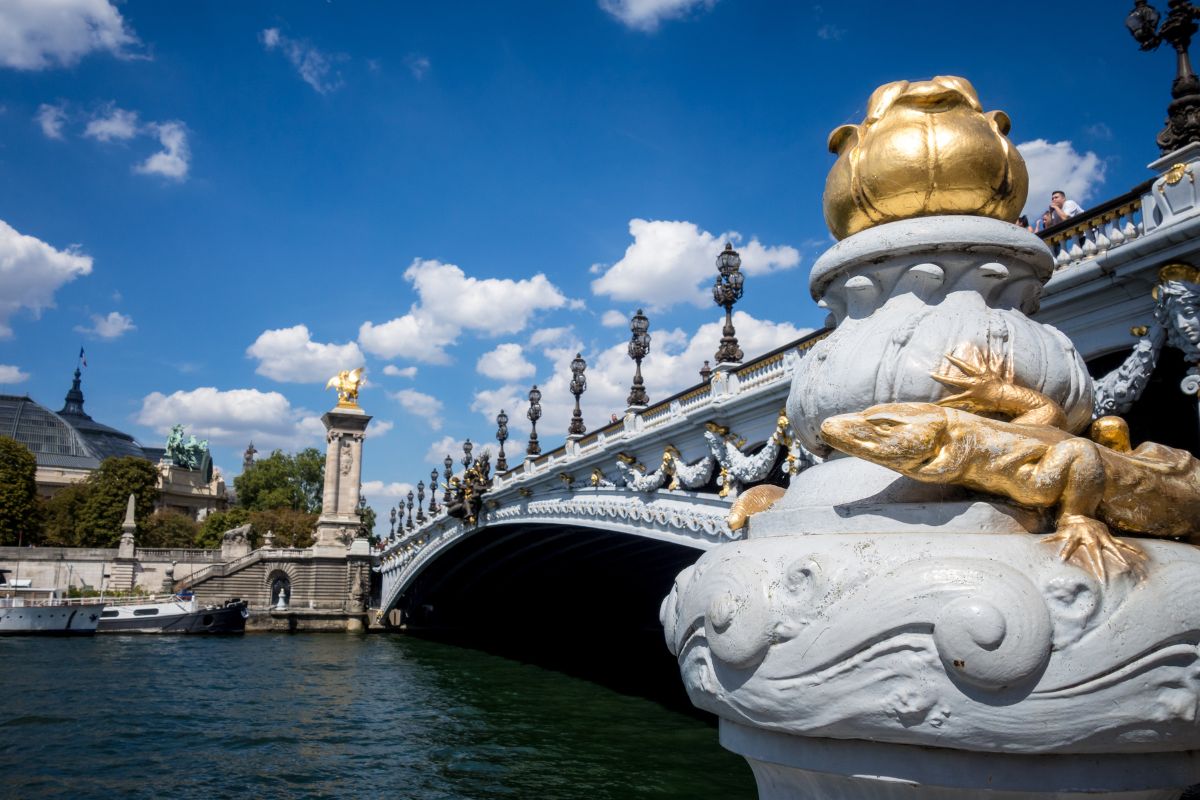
367	514
91	591
59	514
20	512
216	523
283	481
99	516
168	529
291	528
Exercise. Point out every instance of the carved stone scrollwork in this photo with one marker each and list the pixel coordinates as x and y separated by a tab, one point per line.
1015	652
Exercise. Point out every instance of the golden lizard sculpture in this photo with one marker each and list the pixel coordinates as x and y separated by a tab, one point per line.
1031	460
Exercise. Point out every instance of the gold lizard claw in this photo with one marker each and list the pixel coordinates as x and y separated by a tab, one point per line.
1086	542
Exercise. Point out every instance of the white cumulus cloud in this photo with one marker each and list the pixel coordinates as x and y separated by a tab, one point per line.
112	325
315	67
31	271
450	301
10	375
549	335
173	159
646	15
505	363
117	124
446	446
675	262
1057	165
378	489
51	119
613	319
400	372
290	355
234	417
379	427
40	34
112	123
420	404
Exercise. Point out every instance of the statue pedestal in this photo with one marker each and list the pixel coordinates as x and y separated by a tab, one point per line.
792	767
879	637
859	666
339	522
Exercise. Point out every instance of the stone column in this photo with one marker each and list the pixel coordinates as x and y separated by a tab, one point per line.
880	637
339	521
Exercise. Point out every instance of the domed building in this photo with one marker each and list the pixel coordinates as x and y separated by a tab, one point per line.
68	445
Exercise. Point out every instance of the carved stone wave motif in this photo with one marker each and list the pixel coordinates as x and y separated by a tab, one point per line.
922	644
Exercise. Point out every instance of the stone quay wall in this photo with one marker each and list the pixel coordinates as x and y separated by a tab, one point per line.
65	567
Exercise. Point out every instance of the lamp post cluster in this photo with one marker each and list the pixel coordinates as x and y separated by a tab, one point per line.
726	291
501	437
578	385
639	348
1183	113
534	414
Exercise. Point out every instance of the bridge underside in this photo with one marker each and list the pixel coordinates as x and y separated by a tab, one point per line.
580	600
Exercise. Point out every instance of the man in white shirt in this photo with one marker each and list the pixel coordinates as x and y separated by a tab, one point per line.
1061	208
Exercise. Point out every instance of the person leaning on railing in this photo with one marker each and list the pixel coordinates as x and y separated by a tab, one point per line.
1061	209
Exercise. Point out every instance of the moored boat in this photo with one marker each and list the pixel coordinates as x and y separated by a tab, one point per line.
172	614
34	611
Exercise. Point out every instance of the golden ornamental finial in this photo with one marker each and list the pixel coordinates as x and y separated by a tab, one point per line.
925	148
347	383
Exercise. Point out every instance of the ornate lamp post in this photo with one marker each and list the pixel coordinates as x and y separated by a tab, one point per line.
392	535
706	372
502	437
1183	113
727	291
639	348
433	506
420	502
534	414
467	461
578	385
409	524
449	473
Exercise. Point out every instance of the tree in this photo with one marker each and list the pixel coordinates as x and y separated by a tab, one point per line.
60	513
283	481
216	523
20	513
367	515
168	529
290	528
99	516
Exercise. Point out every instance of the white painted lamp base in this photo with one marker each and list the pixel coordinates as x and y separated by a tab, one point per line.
803	768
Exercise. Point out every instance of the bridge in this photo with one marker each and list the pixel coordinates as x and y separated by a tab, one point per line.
617	513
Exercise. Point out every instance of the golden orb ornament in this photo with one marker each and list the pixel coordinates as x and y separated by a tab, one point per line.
925	148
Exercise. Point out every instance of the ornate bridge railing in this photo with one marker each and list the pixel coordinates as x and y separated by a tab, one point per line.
701	446
1098	230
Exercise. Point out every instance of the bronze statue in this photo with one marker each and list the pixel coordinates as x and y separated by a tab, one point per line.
347	383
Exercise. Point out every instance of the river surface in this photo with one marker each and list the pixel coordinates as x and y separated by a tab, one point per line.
331	715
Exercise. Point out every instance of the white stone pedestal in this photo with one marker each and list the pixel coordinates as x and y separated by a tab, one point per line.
877	637
339	522
801	768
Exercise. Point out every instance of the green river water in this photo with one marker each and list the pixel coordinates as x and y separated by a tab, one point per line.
334	716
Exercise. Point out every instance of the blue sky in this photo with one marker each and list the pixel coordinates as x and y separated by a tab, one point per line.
225	201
